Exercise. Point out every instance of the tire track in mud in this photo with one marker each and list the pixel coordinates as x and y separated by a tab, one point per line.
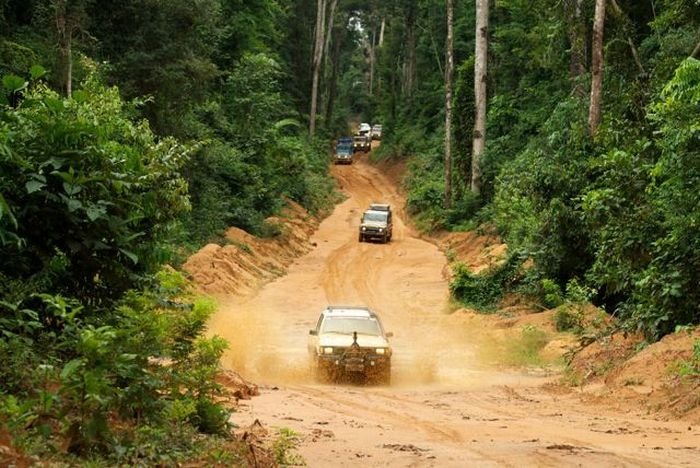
475	437
376	406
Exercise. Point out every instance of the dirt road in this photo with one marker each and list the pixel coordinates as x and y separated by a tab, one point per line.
443	408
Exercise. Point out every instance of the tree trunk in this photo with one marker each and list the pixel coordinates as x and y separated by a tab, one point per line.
480	71
596	68
64	35
696	52
371	60
325	75
449	72
381	32
333	80
577	39
410	55
69	67
329	30
317	61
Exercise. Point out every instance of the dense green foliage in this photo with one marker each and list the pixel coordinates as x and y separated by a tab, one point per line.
132	128
98	351
211	72
105	191
617	212
150	129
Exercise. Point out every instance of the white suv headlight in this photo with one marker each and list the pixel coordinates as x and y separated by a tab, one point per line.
380	350
328	350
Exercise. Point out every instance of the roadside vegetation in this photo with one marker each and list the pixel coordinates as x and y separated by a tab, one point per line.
132	133
616	211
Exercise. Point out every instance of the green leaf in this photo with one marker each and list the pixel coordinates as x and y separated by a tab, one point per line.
6	212
95	211
74	204
79	96
37	71
54	104
72	189
70	368
131	255
279	125
13	83
34	186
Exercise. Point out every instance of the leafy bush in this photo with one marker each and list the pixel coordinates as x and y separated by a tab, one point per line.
691	367
111	186
283	448
643	213
254	157
536	204
145	361
568	319
570	315
96	368
483	290
552	293
666	292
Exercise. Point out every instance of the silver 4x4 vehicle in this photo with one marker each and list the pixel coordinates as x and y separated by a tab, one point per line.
350	342
361	143
376	223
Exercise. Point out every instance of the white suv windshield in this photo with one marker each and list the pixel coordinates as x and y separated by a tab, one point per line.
376	216
348	325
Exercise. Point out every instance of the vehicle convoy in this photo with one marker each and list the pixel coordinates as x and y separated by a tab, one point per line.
376	223
350	342
343	151
361	143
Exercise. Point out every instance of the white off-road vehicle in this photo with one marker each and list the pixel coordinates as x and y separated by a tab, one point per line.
376	223
350	342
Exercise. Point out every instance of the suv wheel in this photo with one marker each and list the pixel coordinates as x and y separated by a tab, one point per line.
324	373
361	238
386	375
382	376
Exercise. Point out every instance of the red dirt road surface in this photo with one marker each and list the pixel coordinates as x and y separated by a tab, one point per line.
444	408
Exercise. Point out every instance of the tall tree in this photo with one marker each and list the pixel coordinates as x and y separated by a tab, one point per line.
372	57
480	70
577	44
596	68
334	56
319	43
449	73
410	58
68	18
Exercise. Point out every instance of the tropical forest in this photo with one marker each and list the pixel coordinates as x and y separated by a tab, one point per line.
494	205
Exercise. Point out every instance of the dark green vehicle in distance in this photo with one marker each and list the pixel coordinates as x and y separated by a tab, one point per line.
343	151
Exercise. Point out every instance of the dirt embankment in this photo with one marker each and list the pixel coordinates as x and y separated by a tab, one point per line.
624	372
246	262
